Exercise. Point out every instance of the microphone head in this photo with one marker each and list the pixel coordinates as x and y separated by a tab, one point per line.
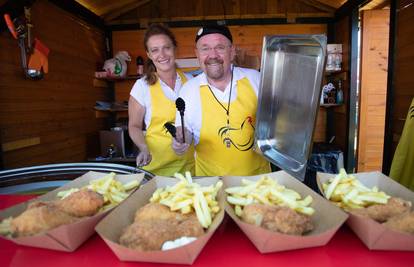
180	104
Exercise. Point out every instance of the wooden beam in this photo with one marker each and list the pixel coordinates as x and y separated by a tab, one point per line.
334	4
22	143
199	7
271	6
386	3
80	12
125	9
390	110
347	8
319	5
103	11
236	7
228	17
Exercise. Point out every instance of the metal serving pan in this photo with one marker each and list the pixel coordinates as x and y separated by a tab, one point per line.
45	178
291	75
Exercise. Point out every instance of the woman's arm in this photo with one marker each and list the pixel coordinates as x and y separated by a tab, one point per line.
136	114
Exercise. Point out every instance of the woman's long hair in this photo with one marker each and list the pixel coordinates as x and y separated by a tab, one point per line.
149	69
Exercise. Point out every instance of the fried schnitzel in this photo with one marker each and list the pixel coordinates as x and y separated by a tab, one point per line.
81	203
43	216
402	223
383	212
39	218
155	224
277	219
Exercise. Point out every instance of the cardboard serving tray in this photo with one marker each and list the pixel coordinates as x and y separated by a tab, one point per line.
66	237
372	233
111	228
326	220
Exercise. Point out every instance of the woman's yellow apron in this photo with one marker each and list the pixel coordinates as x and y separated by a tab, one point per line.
228	151
164	160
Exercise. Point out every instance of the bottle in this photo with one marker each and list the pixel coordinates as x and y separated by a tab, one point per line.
140	65
339	93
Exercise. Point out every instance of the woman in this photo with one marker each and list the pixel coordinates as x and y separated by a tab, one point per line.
152	104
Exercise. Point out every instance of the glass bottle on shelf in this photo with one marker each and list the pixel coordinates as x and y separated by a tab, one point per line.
339	93
140	65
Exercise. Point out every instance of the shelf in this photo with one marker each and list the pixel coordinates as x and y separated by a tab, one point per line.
330	105
104	113
333	71
341	74
115	79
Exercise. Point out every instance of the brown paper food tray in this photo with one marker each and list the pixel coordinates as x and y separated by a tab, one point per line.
327	218
70	236
375	235
110	228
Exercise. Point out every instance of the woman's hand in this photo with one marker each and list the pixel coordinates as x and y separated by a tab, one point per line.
178	145
144	157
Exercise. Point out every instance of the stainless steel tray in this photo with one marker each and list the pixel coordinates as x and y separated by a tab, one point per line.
291	75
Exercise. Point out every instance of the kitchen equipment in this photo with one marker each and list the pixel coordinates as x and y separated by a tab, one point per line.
291	75
112	143
18	29
47	177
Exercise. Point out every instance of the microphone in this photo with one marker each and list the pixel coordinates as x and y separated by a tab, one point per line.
170	128
180	104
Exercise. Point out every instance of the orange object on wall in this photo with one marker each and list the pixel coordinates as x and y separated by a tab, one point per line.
39	59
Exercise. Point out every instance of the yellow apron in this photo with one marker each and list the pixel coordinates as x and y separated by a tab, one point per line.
213	156
164	160
402	168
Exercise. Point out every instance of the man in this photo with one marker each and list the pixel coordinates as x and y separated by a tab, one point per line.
220	110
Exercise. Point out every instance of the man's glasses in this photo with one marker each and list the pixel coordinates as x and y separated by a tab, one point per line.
219	49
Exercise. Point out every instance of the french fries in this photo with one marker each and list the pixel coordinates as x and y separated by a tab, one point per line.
267	191
113	191
348	192
5	227
187	196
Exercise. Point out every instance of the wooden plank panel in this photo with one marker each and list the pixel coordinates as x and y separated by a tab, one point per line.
18	144
374	60
249	38
60	104
320	127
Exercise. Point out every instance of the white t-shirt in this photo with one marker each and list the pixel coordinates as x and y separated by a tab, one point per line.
140	92
190	93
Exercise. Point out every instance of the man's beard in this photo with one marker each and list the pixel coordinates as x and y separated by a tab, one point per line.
216	71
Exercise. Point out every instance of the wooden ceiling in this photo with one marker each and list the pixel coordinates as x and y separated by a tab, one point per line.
144	11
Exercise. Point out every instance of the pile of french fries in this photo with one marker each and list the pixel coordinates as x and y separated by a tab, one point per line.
269	192
348	192
187	196
113	191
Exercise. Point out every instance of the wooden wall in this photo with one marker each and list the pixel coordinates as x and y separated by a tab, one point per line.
51	120
373	89
179	10
248	38
403	70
